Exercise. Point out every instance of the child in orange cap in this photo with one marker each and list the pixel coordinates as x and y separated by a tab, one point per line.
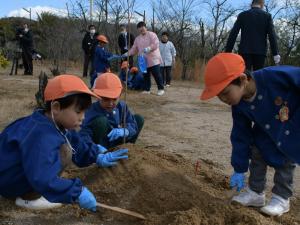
104	120
102	58
136	79
34	150
266	113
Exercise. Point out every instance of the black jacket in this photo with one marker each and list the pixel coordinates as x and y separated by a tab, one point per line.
255	25
26	41
89	43
122	42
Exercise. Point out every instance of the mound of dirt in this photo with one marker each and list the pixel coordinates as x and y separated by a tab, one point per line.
166	189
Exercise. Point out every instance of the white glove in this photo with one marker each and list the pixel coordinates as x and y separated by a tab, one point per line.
147	50
276	59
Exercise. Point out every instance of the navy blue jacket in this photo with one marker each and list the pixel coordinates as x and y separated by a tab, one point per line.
101	64
255	25
115	119
30	159
257	122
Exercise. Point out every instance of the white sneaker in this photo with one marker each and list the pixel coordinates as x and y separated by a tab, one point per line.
160	92
250	198
146	92
277	206
38	204
167	85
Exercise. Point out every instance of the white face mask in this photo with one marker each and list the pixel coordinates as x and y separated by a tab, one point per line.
92	31
26	30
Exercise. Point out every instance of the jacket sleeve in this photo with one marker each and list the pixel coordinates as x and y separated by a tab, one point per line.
86	151
83	43
43	174
120	42
131	39
272	36
173	50
241	140
233	35
154	42
131	124
134	49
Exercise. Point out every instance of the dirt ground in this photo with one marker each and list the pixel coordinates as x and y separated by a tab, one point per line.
160	180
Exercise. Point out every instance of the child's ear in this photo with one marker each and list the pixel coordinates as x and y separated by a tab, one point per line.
55	107
243	78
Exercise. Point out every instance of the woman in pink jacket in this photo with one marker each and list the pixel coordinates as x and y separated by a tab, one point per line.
147	43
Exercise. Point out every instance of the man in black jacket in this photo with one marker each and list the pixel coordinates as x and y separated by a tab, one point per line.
26	44
255	25
125	41
89	44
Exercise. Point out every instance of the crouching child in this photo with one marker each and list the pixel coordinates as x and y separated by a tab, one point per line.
34	150
108	121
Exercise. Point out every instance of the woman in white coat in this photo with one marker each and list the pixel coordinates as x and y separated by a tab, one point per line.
168	53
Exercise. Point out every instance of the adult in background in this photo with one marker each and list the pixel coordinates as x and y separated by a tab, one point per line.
89	43
147	43
255	25
26	44
168	53
125	41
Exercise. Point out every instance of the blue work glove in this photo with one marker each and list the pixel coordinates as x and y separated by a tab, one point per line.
87	200
147	50
117	133
111	158
101	149
237	180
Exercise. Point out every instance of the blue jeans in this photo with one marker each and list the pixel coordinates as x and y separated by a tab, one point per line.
155	71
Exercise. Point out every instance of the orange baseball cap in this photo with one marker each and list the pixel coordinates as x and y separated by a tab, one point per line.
64	85
124	65
108	85
102	38
220	71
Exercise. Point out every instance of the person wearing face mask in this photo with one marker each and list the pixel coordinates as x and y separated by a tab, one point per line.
125	41
26	44
89	44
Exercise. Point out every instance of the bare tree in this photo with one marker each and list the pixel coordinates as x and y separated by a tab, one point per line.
289	31
221	11
177	17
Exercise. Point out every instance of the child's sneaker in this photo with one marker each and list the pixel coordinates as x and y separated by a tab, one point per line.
146	92
250	198
160	92
38	204
277	206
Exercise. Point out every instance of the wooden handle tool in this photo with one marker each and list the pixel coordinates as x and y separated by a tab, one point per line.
120	210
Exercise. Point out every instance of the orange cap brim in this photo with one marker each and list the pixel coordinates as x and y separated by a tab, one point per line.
108	93
212	91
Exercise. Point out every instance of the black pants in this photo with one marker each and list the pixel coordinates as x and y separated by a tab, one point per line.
254	62
88	59
165	72
155	71
27	61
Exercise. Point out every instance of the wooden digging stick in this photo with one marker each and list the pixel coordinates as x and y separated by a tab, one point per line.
120	210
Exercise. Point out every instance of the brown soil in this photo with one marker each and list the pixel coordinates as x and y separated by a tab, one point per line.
160	180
